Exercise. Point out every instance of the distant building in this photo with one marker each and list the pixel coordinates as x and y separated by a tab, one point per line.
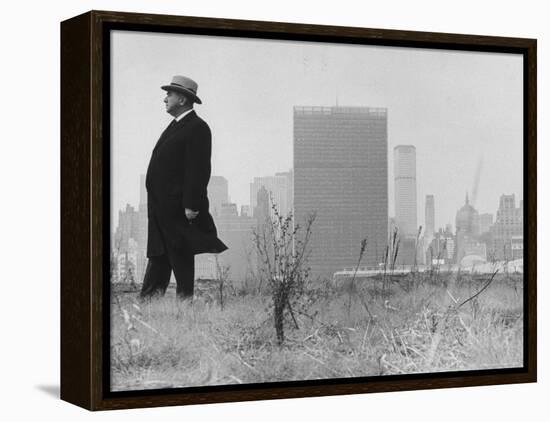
467	219
430	216
441	248
218	193
132	227
205	267
236	231
127	228
245	211
279	188
404	157
263	207
130	239
506	241
126	263
429	228
228	210
467	229
516	247
341	175
485	222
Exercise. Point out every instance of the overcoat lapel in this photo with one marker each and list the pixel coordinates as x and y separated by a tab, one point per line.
172	127
163	135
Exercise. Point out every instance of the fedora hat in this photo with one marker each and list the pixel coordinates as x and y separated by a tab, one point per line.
184	85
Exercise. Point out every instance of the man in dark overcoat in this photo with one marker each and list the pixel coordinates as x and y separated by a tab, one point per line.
179	223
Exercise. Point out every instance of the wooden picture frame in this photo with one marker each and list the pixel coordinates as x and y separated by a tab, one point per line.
85	210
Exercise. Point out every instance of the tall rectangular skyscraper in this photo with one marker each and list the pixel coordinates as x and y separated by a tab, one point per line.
404	170
430	216
341	174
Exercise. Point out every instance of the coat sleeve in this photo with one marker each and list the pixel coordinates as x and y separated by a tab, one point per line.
197	167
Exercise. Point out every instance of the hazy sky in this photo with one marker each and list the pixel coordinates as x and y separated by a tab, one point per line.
459	109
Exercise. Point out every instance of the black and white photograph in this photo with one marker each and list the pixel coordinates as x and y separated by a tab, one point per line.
289	210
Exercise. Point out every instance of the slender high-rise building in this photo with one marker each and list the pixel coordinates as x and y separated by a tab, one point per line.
404	169
430	216
341	175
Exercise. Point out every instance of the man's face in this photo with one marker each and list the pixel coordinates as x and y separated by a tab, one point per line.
173	101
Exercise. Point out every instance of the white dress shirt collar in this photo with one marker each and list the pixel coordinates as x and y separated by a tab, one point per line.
182	115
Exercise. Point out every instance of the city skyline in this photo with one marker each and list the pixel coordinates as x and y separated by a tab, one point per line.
437	225
457	108
420	211
476	236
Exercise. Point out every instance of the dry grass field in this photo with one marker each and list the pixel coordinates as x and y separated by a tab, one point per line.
414	324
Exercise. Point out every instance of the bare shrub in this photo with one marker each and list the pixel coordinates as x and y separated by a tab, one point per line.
282	247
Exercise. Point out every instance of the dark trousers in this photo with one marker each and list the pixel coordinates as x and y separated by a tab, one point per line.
159	269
